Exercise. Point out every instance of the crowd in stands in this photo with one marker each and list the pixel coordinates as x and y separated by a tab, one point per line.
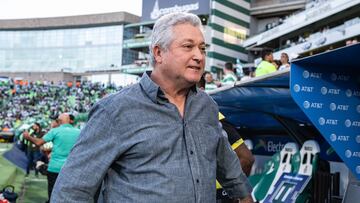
267	65
39	102
33	109
318	36
229	77
351	41
314	36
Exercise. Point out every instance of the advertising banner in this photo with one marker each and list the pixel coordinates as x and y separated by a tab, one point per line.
288	188
268	145
154	9
327	88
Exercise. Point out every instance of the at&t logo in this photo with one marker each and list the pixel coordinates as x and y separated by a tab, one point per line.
306	74
297	88
306	104
314	105
323	90
323	121
339	107
333	137
348	153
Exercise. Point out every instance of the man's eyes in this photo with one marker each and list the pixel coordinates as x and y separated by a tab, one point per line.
191	46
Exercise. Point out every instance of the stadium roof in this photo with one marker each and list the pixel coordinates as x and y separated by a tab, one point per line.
302	19
91	20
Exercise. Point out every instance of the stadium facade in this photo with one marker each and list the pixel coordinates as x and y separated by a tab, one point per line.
226	24
317	27
76	46
62	48
266	14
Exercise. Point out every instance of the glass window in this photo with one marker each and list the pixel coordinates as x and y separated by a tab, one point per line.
79	49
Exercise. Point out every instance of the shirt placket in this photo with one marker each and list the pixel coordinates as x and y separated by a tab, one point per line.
193	161
190	146
192	153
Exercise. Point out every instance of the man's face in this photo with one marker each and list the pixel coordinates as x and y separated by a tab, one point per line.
184	61
35	127
270	58
208	78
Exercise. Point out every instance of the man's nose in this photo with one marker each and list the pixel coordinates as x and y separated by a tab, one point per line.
198	55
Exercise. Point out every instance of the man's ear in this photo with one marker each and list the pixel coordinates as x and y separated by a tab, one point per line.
158	54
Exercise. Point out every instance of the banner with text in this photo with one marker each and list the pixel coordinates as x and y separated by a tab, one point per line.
154	9
327	88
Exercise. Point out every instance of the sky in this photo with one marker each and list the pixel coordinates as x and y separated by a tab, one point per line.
20	9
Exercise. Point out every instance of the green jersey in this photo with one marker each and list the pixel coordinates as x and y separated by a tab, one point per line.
63	138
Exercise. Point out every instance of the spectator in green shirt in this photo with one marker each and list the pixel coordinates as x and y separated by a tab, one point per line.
209	82
230	76
63	139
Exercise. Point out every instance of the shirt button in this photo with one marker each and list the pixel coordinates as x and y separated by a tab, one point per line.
191	152
197	180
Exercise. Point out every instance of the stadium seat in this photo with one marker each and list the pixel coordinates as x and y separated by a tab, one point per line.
303	166
305	161
279	164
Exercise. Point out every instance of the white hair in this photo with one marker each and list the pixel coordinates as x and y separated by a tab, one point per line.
162	34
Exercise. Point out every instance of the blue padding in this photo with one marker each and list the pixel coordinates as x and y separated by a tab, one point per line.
17	157
327	89
252	104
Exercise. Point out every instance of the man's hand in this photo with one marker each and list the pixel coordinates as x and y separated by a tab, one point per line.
217	83
37	141
26	134
247	199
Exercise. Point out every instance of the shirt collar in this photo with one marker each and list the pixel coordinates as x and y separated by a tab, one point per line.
150	87
153	90
66	125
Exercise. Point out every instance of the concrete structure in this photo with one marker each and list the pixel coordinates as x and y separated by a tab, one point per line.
40	76
54	48
81	21
226	25
266	14
323	25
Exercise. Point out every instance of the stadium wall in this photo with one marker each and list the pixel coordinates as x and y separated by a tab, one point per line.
77	44
229	22
41	76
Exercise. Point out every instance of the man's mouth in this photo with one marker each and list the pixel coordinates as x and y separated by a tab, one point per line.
195	67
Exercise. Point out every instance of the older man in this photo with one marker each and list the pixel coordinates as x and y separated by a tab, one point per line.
63	139
158	140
